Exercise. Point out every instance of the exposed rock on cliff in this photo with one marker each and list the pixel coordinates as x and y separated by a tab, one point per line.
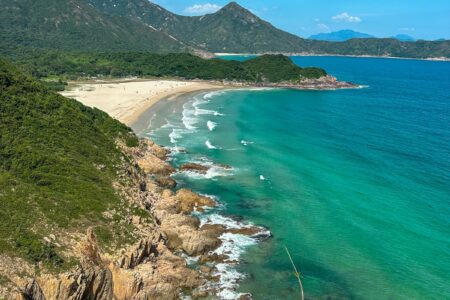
148	269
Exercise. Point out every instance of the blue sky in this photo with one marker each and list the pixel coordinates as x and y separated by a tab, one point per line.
425	19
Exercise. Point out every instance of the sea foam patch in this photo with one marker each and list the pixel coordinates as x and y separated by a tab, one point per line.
211	125
233	246
209	145
189	119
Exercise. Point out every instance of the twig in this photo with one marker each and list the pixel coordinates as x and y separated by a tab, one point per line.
296	273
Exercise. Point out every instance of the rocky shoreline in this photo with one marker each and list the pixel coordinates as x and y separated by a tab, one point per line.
154	267
327	82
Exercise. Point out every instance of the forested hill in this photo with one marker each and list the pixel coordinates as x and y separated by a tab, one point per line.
58	162
262	69
140	25
75	25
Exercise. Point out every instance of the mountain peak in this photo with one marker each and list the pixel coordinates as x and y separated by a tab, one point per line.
239	13
233	6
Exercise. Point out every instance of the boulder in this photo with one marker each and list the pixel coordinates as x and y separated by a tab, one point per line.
190	201
193	167
166	182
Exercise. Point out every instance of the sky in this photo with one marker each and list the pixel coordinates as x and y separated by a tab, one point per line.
422	19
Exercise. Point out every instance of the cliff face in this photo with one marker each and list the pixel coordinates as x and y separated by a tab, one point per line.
149	269
146	270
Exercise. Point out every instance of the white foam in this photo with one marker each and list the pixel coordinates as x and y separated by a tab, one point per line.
177	133
168	124
213	94
209	145
261	177
211	125
176	150
174	136
189	119
246	143
233	245
213	172
202	111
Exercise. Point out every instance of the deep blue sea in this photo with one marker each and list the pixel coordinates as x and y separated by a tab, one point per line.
355	183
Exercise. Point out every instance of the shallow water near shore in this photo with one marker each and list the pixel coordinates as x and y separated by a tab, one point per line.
354	182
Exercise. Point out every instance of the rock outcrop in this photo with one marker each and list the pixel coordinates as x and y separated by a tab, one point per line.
193	167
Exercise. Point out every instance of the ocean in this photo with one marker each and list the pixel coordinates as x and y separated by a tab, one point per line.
355	183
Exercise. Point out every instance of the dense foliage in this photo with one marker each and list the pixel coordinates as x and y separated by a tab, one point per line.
74	24
271	68
57	163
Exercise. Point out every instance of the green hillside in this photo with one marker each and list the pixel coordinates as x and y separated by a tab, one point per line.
75	25
269	68
58	161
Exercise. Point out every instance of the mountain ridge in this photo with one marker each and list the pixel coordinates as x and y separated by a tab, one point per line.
234	29
347	34
140	25
340	36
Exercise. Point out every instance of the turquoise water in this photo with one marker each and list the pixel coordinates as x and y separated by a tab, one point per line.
356	183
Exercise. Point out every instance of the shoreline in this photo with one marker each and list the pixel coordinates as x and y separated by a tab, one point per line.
231	235
440	59
210	241
126	100
193	225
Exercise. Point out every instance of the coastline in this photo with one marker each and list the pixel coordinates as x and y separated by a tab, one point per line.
204	238
441	59
222	236
191	225
126	100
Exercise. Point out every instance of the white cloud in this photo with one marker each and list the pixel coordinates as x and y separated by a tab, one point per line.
346	17
202	8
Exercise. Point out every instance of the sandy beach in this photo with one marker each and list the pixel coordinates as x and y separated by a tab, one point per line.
127	100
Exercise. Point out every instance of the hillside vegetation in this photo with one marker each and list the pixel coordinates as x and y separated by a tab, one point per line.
265	68
26	25
58	162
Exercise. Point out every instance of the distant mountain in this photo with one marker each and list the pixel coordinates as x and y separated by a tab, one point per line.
140	25
404	38
340	36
